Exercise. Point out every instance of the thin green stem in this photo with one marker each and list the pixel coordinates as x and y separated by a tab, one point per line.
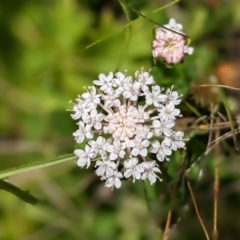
34	166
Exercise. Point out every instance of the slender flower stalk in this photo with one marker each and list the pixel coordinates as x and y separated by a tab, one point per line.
168	46
128	123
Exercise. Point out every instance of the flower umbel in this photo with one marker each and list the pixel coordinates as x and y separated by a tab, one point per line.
126	120
170	46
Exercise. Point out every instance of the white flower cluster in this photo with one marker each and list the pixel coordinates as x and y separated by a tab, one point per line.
170	46
127	121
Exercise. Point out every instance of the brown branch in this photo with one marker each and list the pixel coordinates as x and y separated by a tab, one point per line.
218	85
165	234
211	125
213	144
196	207
216	188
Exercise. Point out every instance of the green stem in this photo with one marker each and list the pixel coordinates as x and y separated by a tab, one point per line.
34	166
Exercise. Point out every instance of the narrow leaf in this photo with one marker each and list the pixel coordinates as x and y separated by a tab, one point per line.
126	10
166	6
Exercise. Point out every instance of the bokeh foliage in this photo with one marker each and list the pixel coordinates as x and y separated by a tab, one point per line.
44	63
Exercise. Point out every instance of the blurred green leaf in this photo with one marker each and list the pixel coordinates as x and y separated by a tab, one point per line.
194	171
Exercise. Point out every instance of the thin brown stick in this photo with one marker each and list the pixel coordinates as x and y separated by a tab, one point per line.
224	136
196	207
165	234
217	126
211	132
215	210
218	85
216	188
213	144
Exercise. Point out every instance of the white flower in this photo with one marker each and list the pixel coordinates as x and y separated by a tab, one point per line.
133	169
105	82
174	25
161	149
188	50
144	78
149	171
91	99
172	97
116	149
82	132
111	99
169	112
139	146
141	115
128	122
84	156
122	82
105	167
170	46
155	97
93	119
144	131
132	92
79	109
99	146
176	140
162	126
114	180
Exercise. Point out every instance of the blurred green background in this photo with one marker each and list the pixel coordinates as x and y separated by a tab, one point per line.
44	64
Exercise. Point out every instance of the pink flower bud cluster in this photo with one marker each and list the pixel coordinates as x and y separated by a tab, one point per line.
170	46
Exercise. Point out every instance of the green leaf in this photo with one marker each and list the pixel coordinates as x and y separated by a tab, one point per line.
194	172
126	10
193	109
34	166
23	195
